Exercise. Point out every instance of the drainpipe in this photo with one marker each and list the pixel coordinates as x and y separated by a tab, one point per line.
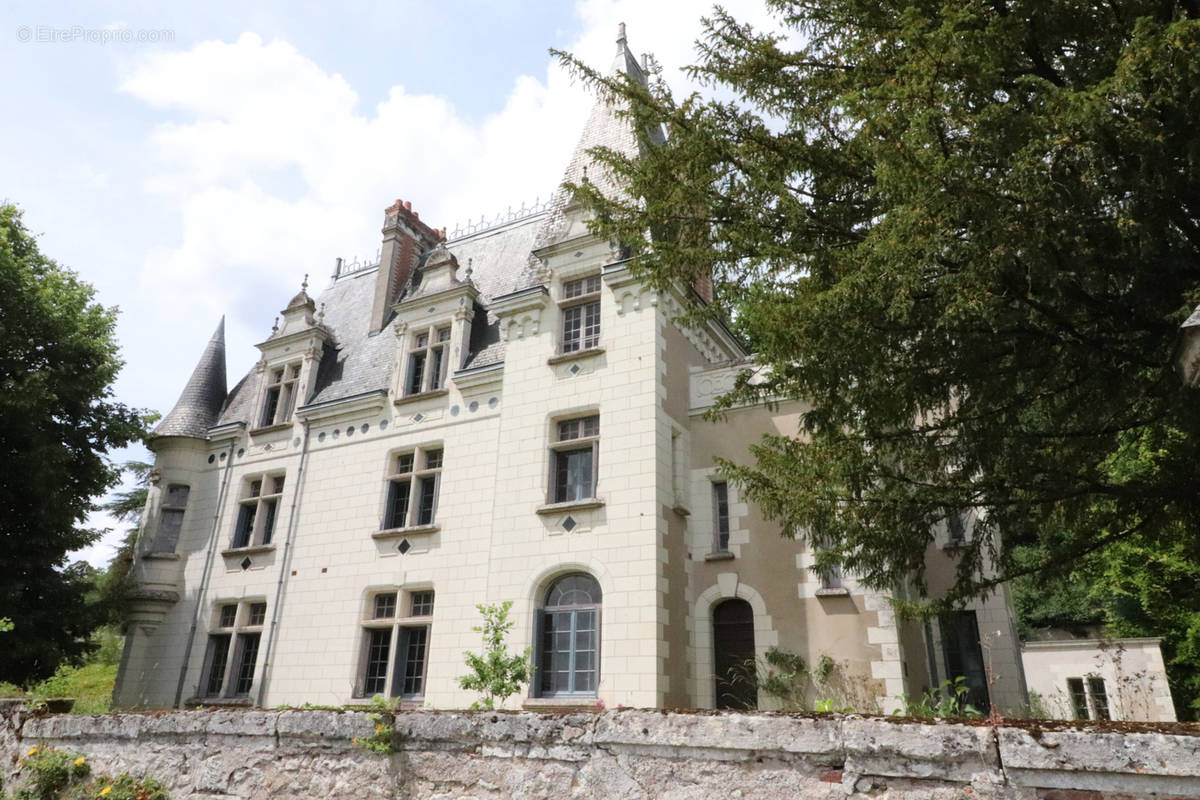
208	562
284	562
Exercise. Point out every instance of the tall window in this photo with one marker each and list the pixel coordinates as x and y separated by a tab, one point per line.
396	644
258	510
574	459
413	488
568	637
170	519
236	629
964	655
280	398
427	361
720	504
580	314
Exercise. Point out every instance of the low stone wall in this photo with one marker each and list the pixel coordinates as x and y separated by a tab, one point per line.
222	755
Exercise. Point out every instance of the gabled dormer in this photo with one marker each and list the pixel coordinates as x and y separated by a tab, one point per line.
288	368
432	326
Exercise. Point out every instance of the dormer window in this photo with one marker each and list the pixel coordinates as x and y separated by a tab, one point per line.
280	399
427	361
580	314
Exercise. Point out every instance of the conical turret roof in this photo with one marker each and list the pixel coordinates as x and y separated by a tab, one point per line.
200	403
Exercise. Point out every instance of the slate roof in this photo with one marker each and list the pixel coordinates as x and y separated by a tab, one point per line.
356	361
202	397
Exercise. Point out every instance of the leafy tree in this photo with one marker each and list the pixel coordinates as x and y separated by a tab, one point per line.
58	359
496	674
965	234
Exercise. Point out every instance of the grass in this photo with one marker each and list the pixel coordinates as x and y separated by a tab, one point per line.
90	684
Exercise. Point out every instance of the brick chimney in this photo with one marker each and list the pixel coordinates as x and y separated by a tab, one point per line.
405	237
703	285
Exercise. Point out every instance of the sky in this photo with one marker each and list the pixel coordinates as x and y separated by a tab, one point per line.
197	160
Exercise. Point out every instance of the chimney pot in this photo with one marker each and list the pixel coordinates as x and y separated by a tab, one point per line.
416	215
407	205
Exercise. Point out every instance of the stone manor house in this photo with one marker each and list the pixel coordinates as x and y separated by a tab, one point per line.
505	415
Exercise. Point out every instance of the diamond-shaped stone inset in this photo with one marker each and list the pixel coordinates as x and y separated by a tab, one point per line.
574	369
404	546
418	417
246	562
569	524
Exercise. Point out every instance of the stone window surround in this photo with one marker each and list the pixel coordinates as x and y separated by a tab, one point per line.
702	524
368	622
557	446
438	340
240	628
284	380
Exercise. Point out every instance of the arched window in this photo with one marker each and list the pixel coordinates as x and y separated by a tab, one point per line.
733	654
568	639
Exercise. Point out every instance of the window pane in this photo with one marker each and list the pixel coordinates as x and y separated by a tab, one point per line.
1099	697
443	334
169	525
572	329
255	488
433	459
416	373
177	495
385	605
422	339
721	516
575	475
576	589
277	485
375	676
270	406
269	522
218	654
245	524
1078	698
398	494
228	616
435	369
591	325
248	654
404	463
422	604
428	488
258	613
415	641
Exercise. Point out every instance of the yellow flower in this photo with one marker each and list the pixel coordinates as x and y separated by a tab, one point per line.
79	761
379	729
105	790
354	740
32	751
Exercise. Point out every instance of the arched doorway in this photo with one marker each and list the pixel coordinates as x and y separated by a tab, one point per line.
733	655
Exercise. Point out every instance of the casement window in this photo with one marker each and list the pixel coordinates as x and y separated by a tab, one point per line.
720	512
574	459
170	518
412	492
233	642
580	305
258	511
1090	702
395	645
428	360
568	638
280	398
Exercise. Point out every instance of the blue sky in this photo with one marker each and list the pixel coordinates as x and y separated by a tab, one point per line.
212	154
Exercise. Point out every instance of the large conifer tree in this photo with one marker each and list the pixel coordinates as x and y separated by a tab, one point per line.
966	233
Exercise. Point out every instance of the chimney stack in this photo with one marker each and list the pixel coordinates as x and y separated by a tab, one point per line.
405	237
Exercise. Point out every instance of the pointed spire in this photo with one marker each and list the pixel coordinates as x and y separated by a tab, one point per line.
200	402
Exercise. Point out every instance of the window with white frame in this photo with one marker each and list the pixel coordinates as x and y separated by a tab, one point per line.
280	398
258	510
170	518
720	512
233	640
395	644
428	359
574	455
580	304
412	492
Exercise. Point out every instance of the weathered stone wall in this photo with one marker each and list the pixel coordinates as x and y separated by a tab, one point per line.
615	754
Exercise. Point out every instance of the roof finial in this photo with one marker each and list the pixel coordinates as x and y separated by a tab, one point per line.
585	177
275	326
621	34
470	269
304	285
321	315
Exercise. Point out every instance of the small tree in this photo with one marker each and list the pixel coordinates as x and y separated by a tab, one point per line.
496	673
